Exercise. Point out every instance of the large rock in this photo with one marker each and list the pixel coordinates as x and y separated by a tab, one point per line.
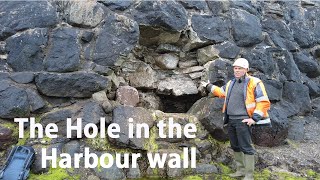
13	101
117	37
162	14
296	128
298	95
227	50
274	89
35	100
282	42
219	71
246	28
280	33
82	13
21	15
127	95
139	115
314	88
307	65
210	28
260	59
275	135
272	24
89	111
64	51
302	34
208	112
26	50
177	86
79	84
286	65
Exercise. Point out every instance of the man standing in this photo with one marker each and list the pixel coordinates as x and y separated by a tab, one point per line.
246	103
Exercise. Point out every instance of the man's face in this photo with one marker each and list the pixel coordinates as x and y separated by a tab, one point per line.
239	71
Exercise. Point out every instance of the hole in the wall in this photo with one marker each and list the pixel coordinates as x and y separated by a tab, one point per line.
178	104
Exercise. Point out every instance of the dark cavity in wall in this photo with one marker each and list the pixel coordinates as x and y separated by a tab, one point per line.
178	104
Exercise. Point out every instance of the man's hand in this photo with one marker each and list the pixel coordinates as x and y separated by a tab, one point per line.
204	84
249	121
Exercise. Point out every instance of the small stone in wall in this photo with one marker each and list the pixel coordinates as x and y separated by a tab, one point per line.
100	96
127	95
207	54
167	61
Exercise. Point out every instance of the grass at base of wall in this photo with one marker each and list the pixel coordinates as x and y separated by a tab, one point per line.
56	174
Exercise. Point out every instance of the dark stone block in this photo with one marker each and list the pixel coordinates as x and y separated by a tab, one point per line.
22	15
246	28
307	65
13	101
78	84
117	38
22	77
211	28
166	14
64	52
25	51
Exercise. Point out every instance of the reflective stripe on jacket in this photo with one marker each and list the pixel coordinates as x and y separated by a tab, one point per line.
256	99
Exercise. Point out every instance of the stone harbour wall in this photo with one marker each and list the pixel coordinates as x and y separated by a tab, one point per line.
145	60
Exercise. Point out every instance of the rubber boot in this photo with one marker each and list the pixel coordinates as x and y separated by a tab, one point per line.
238	156
249	166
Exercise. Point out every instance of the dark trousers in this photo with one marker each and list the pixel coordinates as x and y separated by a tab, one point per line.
240	136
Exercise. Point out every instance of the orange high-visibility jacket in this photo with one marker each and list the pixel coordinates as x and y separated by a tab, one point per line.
256	99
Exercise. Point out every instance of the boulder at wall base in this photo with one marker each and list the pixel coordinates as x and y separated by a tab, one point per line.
208	112
13	101
298	95
272	136
88	111
6	138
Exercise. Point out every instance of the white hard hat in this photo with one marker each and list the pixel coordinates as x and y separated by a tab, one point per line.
241	62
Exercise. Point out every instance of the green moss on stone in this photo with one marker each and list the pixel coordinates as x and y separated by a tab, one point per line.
23	141
263	175
56	174
197	177
103	144
150	144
